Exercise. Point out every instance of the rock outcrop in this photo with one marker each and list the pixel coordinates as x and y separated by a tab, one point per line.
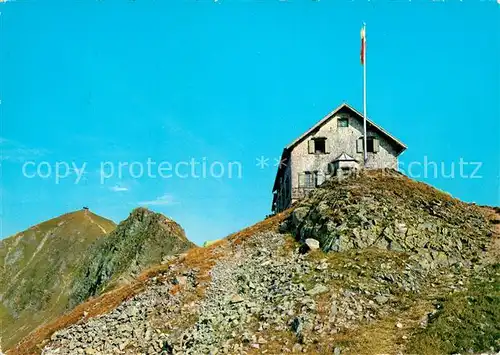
144	239
386	210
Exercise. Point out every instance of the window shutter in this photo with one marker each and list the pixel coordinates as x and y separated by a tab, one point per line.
301	179
359	145
375	145
320	178
327	147
311	146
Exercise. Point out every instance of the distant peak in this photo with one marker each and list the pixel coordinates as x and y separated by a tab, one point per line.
143	212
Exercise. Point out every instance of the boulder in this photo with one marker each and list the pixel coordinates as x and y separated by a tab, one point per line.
312	244
236	299
317	289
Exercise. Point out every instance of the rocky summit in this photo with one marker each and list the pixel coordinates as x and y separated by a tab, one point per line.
372	264
386	210
142	240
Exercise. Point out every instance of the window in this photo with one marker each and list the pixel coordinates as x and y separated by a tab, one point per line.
372	145
343	122
320	146
308	179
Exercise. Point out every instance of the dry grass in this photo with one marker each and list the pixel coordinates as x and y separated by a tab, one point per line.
386	179
268	224
383	336
202	259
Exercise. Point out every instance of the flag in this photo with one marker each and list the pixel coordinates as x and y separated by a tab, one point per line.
363	45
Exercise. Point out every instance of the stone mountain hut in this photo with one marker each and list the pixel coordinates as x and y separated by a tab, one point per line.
332	147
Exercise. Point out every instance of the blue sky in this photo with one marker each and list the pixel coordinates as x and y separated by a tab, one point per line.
231	81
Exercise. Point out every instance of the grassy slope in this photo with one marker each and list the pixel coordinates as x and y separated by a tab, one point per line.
36	267
469	320
465	321
378	337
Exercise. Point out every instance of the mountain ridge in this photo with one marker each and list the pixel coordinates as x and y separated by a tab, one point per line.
266	289
48	269
36	264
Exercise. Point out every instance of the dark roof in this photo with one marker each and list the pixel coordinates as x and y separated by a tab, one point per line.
285	156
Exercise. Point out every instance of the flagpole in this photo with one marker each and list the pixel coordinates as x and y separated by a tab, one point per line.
364	96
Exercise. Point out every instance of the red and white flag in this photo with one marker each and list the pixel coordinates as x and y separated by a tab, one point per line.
363	45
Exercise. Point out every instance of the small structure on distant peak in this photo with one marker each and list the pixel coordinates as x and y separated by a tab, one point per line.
85	208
